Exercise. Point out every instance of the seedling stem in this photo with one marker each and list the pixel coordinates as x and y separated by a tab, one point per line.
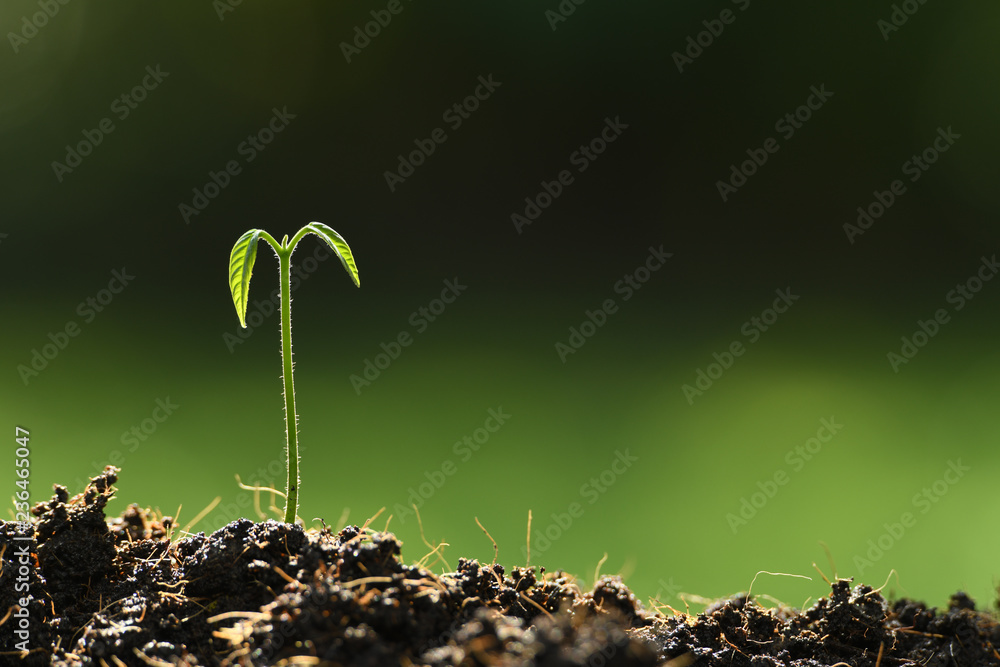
241	262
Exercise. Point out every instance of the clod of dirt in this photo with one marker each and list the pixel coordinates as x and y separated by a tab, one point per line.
119	592
854	627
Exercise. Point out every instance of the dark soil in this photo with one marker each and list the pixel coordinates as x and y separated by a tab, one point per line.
119	592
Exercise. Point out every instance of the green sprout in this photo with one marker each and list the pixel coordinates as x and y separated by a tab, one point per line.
240	267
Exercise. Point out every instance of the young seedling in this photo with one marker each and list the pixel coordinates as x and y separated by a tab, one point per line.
240	267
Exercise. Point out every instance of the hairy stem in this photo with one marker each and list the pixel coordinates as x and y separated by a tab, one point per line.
291	418
284	252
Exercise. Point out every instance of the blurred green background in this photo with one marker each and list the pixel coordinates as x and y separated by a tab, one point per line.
668	520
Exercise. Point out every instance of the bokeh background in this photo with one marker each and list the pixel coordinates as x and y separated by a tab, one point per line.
666	521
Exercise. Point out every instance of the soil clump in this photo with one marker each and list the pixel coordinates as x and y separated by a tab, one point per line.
120	592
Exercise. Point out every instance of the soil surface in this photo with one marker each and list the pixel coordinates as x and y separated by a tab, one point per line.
120	592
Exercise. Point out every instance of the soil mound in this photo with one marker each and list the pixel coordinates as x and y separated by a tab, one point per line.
119	592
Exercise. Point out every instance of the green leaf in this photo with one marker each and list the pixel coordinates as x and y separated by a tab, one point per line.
339	245
241	261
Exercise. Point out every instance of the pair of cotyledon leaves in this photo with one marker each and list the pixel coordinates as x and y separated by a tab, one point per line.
244	254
